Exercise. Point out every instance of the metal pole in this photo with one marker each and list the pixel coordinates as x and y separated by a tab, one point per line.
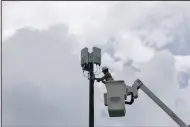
91	95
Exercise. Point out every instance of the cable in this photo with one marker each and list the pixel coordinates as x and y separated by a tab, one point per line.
83	72
85	75
99	71
96	70
95	73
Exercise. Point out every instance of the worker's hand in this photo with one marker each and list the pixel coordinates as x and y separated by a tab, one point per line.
98	80
104	82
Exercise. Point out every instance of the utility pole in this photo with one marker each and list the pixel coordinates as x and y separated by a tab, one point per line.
87	63
91	95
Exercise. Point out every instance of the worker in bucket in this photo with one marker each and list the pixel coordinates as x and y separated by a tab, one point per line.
107	75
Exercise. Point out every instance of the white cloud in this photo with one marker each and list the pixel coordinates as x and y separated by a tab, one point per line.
132	47
111	63
44	61
40	15
183	63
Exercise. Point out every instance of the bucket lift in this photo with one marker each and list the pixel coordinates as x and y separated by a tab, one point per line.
117	91
116	96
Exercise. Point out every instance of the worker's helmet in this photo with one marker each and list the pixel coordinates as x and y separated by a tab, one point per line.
104	68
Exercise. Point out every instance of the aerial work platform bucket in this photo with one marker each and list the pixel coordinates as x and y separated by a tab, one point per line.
115	98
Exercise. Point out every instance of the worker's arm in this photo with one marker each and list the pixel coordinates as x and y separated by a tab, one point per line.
100	79
103	78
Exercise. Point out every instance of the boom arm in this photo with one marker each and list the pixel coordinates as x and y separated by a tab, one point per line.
138	84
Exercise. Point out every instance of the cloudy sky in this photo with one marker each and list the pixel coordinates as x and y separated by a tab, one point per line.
43	84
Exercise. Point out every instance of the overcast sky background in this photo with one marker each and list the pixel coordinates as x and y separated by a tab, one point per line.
43	84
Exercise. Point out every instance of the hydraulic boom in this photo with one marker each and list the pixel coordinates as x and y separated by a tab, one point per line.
140	85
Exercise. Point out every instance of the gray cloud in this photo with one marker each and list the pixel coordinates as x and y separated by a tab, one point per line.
183	78
166	27
42	81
